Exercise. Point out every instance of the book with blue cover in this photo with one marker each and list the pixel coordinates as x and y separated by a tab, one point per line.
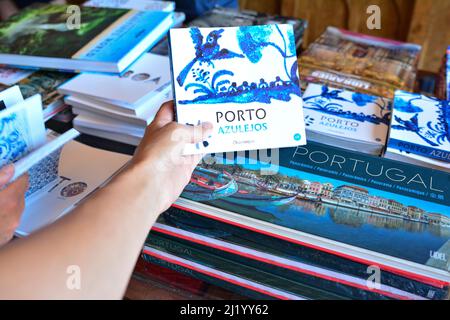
347	119
364	208
420	130
87	39
244	80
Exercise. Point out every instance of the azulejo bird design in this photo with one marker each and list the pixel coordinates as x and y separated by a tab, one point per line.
206	52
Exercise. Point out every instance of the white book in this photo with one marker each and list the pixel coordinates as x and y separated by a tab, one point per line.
82	170
420	126
109	124
346	115
145	79
244	81
141	5
145	115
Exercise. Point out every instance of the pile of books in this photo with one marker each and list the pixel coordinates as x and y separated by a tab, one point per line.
443	87
119	107
312	222
360	62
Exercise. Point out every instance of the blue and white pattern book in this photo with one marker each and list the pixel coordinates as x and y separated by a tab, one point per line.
349	117
244	80
420	126
21	130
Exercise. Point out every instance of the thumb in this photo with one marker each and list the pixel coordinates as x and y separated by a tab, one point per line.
6	173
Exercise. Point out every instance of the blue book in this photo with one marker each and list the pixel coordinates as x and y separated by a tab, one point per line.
79	38
244	80
367	209
420	130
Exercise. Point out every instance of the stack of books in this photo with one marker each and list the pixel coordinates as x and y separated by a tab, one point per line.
119	107
359	62
419	132
312	222
351	120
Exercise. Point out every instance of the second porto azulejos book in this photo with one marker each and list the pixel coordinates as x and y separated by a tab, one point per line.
101	40
244	80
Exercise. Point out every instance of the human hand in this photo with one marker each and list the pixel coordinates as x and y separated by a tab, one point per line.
160	154
12	202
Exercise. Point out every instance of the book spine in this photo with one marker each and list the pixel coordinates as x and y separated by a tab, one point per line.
419	150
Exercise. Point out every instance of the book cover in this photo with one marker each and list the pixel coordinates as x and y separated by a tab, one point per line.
106	40
420	125
359	62
347	114
139	83
243	80
367	207
203	231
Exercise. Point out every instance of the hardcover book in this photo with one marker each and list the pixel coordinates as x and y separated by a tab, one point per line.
101	40
243	80
272	254
131	93
359	62
348	119
239	284
420	127
383	212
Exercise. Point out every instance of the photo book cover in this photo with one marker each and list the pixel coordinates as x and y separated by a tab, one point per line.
244	80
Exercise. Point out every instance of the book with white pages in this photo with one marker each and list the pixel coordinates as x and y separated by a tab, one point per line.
81	171
129	92
82	105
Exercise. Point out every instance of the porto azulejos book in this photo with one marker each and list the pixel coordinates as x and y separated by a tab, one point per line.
420	126
101	40
348	119
244	80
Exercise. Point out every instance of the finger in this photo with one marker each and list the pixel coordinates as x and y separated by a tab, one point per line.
17	188
164	115
6	174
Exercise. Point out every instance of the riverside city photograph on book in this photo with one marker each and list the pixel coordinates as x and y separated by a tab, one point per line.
377	204
244	80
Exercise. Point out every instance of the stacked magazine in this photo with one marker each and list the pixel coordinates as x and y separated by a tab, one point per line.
351	120
119	107
420	132
311	222
360	62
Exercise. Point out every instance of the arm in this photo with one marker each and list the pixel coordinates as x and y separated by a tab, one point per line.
104	236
